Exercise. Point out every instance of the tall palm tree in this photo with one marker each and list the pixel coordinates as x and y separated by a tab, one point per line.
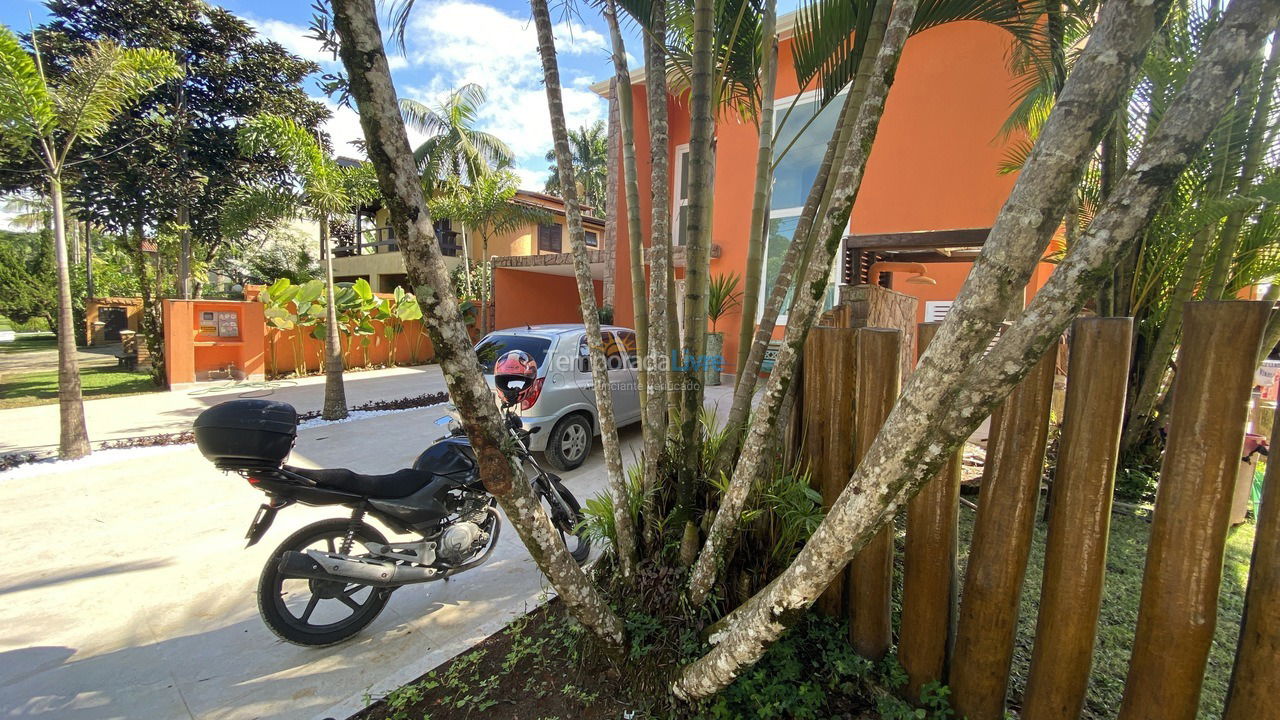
454	147
325	189
48	121
589	145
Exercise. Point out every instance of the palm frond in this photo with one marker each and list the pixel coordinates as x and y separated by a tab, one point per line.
104	81
26	105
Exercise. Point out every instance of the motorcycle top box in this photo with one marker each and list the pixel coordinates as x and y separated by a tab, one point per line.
248	434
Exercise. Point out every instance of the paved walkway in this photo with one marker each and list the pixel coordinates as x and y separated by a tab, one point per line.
18	363
133	595
36	428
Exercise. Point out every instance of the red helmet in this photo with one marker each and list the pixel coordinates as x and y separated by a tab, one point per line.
514	373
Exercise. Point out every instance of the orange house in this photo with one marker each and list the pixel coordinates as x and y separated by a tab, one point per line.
931	192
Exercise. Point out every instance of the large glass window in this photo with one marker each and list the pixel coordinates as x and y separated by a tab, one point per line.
803	141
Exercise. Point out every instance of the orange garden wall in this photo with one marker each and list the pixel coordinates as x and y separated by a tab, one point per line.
934	165
259	351
530	298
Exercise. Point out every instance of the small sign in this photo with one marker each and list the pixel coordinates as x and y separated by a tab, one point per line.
228	324
208	324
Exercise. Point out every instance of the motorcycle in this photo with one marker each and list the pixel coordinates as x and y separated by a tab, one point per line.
330	579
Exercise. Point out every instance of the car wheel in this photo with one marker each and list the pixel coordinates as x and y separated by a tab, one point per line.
569	443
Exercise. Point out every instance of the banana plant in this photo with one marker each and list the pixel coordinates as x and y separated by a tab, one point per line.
403	308
279	313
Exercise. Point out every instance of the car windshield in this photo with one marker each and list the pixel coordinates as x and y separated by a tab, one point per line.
494	346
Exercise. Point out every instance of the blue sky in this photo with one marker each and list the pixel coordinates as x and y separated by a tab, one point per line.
450	42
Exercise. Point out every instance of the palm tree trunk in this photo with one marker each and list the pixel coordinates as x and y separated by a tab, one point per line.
760	197
387	143
698	248
754	459
73	437
625	534
1271	336
335	395
795	262
1258	126
631	186
951	390
659	359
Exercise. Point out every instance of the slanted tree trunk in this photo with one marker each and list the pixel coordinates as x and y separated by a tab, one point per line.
73	437
656	412
697	249
795	262
950	392
387	144
626	538
755	461
760	196
631	187
335	394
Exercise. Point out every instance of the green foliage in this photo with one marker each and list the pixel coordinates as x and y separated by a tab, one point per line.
454	148
722	296
589	146
27	287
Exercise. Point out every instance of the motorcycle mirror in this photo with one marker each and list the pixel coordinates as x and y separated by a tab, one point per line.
445	420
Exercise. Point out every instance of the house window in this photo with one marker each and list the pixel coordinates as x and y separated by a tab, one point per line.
549	235
792	179
680	199
592	239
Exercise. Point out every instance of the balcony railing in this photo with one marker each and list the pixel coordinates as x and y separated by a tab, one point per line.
383	240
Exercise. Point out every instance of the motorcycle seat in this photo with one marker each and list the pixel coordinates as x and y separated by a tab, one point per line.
398	484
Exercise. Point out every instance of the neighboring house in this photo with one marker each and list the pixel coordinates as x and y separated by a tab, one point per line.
374	253
934	170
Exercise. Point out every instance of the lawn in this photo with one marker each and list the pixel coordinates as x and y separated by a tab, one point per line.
30	343
1126	557
40	388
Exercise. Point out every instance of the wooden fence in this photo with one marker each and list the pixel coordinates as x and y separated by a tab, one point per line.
966	638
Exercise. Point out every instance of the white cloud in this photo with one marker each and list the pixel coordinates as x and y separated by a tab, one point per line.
345	133
293	38
461	41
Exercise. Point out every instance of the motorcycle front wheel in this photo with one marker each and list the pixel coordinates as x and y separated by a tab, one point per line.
319	612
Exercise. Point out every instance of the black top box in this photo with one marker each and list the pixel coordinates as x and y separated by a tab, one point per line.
247	434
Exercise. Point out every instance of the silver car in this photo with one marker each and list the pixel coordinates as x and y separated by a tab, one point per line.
560	411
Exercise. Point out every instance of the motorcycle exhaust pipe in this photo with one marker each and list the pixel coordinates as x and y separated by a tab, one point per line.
316	565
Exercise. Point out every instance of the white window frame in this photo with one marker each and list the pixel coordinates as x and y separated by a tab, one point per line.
780	106
677	202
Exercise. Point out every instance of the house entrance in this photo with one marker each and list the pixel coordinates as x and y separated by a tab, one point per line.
113	319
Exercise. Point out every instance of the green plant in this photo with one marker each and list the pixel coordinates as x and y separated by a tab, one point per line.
722	296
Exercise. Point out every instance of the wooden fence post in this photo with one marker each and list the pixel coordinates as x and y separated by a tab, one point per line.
1000	547
828	422
1079	518
871	570
1179	606
929	570
1255	678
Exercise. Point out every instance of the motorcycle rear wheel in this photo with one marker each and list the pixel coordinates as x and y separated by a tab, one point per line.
288	605
566	516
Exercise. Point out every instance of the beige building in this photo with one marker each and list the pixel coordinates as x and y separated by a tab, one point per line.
375	252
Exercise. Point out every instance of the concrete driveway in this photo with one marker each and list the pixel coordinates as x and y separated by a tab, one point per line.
129	593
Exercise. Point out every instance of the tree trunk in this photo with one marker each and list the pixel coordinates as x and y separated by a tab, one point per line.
697	249
940	405
626	538
1258	125
754	461
73	437
795	262
335	395
631	186
387	144
753	277
184	252
658	361
1270	336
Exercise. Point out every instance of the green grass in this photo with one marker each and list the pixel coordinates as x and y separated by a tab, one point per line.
1126	558
29	343
40	388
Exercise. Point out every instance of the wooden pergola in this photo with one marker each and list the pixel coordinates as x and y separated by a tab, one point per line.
925	246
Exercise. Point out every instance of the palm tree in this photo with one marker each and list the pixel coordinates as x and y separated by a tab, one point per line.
48	122
485	206
454	148
590	147
326	189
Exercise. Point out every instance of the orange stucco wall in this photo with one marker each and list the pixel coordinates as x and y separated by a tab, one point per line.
530	298
933	167
190	355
